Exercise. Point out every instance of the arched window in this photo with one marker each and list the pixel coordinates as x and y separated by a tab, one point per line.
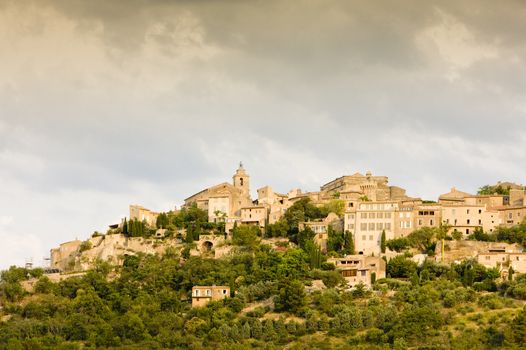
241	181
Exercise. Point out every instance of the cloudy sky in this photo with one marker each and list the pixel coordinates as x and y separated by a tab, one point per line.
107	103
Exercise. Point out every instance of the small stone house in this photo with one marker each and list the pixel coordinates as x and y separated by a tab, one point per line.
202	295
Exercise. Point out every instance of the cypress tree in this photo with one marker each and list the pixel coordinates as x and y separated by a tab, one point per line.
382	242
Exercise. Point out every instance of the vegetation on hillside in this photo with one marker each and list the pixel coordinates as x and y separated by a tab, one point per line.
146	304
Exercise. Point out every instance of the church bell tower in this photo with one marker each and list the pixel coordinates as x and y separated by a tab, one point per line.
242	180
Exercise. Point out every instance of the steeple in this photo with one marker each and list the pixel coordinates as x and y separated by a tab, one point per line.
241	179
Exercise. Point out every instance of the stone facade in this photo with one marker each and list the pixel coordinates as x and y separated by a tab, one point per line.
141	213
359	268
202	295
224	200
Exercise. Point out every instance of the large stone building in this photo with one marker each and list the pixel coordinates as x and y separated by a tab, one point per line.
375	188
224	200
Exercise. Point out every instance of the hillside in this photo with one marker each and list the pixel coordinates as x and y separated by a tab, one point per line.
145	303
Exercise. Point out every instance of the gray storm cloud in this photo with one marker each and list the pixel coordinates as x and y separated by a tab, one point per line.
108	103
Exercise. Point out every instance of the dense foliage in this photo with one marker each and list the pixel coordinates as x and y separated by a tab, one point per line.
498	189
146	304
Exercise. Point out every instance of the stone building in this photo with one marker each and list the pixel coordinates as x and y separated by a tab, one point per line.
141	213
224	200
321	229
371	219
60	257
375	188
359	268
202	295
255	215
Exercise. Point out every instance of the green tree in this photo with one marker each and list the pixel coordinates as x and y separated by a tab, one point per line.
348	245
245	235
291	296
382	242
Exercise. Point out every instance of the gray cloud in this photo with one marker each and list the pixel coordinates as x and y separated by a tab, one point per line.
108	103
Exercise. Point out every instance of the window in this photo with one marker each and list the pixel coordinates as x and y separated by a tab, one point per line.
467	211
380	215
370	237
363	226
419	222
480	211
363	273
379	226
467	221
241	181
371	216
407	215
387	215
371	226
480	222
363	215
431	222
363	237
197	292
208	292
349	273
487	257
401	215
388	226
431	213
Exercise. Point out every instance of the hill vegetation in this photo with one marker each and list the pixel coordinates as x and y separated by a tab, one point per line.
281	298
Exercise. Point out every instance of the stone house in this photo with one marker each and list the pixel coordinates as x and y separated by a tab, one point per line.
359	268
202	295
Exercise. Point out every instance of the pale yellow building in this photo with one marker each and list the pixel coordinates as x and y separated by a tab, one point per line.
503	261
141	213
359	268
202	295
511	215
371	219
255	215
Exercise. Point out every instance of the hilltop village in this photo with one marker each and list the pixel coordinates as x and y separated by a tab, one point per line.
358	264
375	219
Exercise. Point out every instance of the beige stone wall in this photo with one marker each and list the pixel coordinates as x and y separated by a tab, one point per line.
140	213
464	218
491	260
371	219
202	295
512	215
404	221
60	257
255	215
518	262
221	204
359	268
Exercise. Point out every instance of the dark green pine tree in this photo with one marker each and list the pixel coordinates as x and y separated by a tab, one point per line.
125	227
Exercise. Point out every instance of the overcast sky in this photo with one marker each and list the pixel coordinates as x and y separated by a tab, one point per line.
105	103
